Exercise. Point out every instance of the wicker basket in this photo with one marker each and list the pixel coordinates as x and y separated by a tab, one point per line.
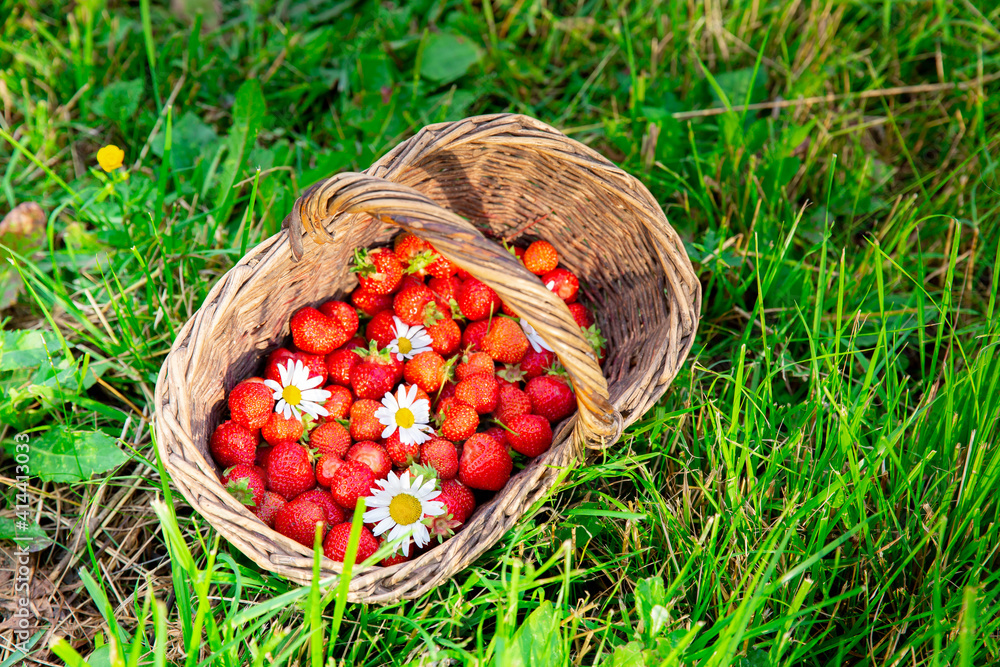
455	185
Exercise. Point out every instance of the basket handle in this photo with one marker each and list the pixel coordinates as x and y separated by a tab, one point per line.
460	242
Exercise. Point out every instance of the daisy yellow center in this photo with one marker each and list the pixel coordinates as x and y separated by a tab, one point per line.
405	345
404	418
405	509
292	395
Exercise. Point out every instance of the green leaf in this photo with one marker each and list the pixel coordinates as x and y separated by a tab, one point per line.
191	139
248	117
119	101
25	349
29	534
629	655
737	83
64	455
650	597
447	57
538	642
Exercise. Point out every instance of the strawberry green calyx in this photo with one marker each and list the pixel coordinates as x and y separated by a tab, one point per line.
442	526
240	489
456	312
511	373
420	262
432	315
374	353
427	472
594	337
363	265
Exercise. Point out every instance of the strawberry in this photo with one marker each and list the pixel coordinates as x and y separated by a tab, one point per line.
281	357
581	314
459	420
334	512
443	526
511	402
563	283
509	376
499	435
531	434
474	333
344	317
537	363
402	454
335	544
314	332
233	443
407	246
316	363
260	460
330	438
379	270
505	341
408	281
441	267
409	304
352	480
339	403
278	429
269	507
326	467
477	300
340	363
289	470
382	328
480	391
445	289
377	374
250	404
441	455
370	303
447	391
540	257
485	463
551	397
457	498
427	370
245	483
372	455
446	336
474	363
298	519
364	424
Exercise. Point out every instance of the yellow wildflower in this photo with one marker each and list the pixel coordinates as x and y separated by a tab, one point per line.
110	157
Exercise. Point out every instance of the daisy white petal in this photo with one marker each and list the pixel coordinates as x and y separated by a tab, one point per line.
314	381
271	384
537	342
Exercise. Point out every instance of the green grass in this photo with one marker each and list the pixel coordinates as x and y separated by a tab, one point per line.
818	487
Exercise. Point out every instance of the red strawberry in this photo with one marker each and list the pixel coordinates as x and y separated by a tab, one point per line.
457	499
289	470
505	341
474	333
427	370
477	300
382	328
563	283
377	374
446	336
498	434
334	512
316	363
581	314
509	376
261	459
540	258
407	247
402	454
409	304
443	526
339	403
250	404
445	289
474	363
232	443
314	332
298	519
379	270
537	363
344	316
326	467
278	429
511	403
364	425
550	397
335	544
480	391
340	363
441	267
531	434
372	455
485	463
460	420
269	507
408	281
352	480
369	302
441	455
447	391
245	483
330	438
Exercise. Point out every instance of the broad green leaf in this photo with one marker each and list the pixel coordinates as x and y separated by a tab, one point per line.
119	100
191	139
447	57
538	642
65	455
650	597
28	533
629	655
737	83
26	349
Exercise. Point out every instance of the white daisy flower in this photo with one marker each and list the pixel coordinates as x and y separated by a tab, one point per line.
537	342
408	415
297	391
400	506
409	341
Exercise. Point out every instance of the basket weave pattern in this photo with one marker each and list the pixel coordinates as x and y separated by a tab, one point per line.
453	184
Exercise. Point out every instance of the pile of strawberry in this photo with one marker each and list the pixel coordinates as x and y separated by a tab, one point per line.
445	384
